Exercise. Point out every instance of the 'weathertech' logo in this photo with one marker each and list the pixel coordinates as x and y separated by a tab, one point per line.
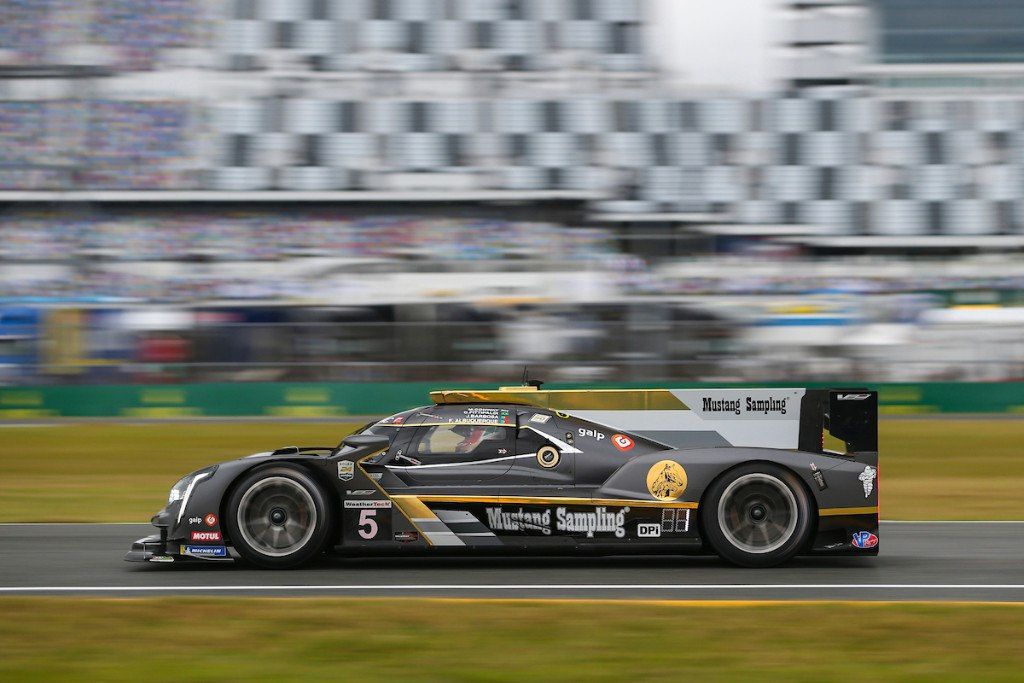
750	405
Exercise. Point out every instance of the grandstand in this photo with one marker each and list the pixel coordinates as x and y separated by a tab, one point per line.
183	152
497	98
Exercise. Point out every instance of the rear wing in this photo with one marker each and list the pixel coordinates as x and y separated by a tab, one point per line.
849	415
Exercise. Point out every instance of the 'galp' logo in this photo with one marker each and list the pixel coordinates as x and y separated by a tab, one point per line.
666	480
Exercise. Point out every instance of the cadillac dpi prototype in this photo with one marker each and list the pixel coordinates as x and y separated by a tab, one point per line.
743	473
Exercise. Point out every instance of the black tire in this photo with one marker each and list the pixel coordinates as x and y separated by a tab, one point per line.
757	515
278	517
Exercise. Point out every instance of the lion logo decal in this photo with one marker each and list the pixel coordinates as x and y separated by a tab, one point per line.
666	480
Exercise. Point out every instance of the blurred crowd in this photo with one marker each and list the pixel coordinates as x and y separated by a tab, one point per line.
231	234
111	144
38	32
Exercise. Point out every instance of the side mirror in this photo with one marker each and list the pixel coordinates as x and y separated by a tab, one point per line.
368	441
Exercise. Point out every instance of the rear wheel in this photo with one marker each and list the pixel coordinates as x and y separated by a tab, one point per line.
278	517
758	515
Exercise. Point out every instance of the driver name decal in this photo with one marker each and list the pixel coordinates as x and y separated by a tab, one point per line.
481	415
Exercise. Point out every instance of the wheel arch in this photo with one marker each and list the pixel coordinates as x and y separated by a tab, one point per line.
702	505
315	474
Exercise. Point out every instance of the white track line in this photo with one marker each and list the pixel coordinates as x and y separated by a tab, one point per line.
536	587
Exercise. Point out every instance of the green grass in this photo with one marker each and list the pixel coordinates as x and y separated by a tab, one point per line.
930	469
956	469
450	640
121	473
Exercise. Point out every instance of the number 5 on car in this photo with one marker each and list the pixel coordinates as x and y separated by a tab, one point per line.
367	520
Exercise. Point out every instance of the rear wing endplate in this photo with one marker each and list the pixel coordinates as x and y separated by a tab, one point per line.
850	415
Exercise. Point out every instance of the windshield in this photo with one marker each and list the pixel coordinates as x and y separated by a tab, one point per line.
387	426
365	429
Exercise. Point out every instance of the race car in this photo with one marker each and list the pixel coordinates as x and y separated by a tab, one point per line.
743	473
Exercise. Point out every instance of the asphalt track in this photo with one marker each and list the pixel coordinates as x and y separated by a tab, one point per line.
944	561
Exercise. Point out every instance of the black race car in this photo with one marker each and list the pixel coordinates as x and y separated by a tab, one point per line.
739	472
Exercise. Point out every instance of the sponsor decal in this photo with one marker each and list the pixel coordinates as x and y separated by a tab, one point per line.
540	419
675	521
359	504
747	404
666	480
593	434
210	519
864	539
375	475
206	550
359	492
195	520
205	536
407	536
721	405
818	477
519	520
867	477
648	530
598	521
622	442
853	397
590	522
766	405
346	468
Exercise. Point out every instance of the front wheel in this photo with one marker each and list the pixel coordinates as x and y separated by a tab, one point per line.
758	515
278	517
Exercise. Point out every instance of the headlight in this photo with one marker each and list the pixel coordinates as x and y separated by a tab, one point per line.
178	490
181	489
